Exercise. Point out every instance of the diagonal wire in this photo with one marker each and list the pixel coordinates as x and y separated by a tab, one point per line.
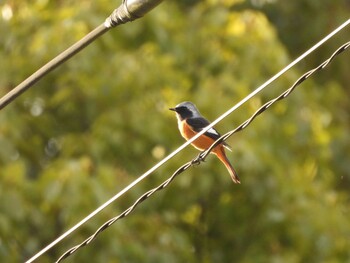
184	145
128	11
268	104
129	210
171	155
201	157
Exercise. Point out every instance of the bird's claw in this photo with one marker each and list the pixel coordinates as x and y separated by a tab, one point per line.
198	159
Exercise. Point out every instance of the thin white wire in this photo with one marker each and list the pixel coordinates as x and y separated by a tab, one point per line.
171	155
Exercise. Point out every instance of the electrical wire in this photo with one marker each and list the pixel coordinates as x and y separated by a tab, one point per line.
128	11
201	157
171	155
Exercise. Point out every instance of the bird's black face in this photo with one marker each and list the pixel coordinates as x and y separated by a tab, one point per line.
183	112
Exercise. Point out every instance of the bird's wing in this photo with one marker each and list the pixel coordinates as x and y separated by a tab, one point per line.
198	124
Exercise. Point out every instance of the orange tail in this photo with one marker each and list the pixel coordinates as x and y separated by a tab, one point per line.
220	153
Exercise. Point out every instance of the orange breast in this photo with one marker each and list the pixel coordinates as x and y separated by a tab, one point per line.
202	143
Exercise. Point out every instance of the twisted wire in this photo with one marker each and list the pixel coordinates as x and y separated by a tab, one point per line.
142	198
268	104
201	157
180	148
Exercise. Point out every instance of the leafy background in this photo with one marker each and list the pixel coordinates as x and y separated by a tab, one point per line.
92	126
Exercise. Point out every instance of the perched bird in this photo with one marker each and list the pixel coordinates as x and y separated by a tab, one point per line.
190	122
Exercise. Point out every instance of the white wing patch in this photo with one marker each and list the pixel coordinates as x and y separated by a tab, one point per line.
213	131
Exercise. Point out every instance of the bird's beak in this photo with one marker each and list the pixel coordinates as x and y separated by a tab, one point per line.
173	109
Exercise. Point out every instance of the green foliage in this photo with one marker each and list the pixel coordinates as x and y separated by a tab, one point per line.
92	126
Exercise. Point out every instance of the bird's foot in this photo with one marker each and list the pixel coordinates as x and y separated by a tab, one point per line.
198	159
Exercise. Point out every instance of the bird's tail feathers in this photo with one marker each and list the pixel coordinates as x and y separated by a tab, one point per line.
222	156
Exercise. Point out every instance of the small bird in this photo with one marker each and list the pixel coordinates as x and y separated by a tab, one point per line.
190	122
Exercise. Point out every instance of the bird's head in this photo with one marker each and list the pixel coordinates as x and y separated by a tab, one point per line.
186	110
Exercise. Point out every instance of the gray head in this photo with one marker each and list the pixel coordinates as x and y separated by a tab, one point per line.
186	110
